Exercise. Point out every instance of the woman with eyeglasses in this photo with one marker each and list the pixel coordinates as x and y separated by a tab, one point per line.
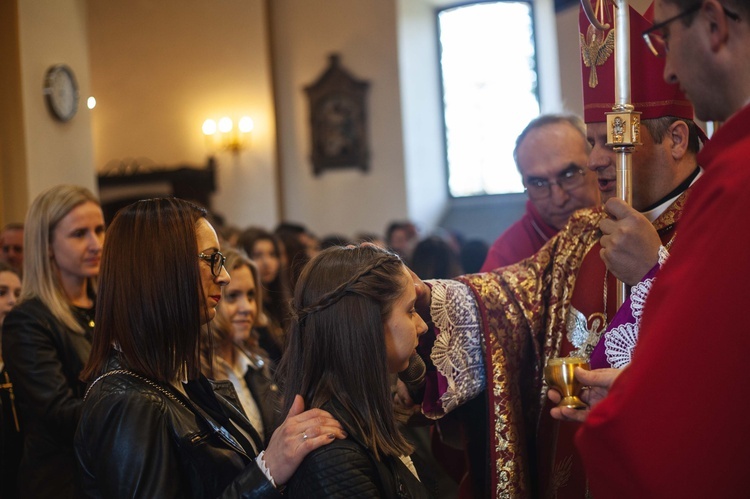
47	336
152	425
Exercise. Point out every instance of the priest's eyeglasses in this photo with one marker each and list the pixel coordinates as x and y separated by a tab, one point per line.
657	37
215	260
541	188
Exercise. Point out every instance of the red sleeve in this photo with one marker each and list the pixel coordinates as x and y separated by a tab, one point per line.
673	423
517	243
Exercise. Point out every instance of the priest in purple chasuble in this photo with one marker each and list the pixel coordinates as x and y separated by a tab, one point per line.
495	331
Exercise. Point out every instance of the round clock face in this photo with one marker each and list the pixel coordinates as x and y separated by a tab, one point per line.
61	92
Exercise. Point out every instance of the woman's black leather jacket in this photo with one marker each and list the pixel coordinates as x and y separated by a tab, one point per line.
140	438
347	468
44	359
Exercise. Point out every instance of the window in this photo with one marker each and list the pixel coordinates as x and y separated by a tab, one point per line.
488	70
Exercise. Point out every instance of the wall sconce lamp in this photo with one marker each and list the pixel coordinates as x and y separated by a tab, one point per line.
224	135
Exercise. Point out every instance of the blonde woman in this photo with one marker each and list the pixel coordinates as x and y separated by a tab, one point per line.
47	336
237	355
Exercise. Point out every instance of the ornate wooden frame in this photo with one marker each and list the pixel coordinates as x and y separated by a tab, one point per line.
338	119
126	182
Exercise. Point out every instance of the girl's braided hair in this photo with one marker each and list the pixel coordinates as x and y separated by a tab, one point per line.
356	284
336	351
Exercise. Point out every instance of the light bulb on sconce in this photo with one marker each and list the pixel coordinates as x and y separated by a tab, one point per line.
209	127
246	124
225	125
224	135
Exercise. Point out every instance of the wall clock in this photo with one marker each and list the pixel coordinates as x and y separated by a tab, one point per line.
61	92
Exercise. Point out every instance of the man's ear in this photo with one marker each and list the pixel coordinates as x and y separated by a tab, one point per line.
718	23
679	134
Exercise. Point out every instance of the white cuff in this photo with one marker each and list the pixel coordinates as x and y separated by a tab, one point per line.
262	465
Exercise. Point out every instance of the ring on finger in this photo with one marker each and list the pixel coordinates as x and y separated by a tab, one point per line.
305	436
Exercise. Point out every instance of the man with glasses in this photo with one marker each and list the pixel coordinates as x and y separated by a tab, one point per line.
561	300
655	435
551	154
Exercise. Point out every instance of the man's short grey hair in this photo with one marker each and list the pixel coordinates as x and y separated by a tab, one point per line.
552	119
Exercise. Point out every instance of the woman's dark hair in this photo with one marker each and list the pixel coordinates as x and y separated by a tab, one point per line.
336	347
473	254
149	300
433	258
296	254
276	293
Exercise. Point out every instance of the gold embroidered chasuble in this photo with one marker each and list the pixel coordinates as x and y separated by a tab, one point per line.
522	311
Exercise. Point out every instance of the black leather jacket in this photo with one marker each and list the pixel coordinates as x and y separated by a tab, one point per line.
44	358
265	392
139	438
346	468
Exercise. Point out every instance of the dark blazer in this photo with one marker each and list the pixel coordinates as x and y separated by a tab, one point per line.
44	358
346	468
265	392
140	438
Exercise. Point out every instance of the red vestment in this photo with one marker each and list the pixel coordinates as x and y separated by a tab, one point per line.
521	240
523	313
561	471
673	423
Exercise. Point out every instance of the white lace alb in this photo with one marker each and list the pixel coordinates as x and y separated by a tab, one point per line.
620	342
458	349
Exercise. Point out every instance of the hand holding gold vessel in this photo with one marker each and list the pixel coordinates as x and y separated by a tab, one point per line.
559	374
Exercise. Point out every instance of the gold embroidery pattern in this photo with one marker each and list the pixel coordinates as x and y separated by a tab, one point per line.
561	475
523	310
672	214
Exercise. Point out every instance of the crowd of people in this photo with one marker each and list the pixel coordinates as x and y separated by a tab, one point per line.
94	330
168	356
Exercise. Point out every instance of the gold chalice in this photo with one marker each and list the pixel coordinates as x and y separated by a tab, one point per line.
559	374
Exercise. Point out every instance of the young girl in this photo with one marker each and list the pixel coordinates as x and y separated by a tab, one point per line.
237	356
266	251
355	324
